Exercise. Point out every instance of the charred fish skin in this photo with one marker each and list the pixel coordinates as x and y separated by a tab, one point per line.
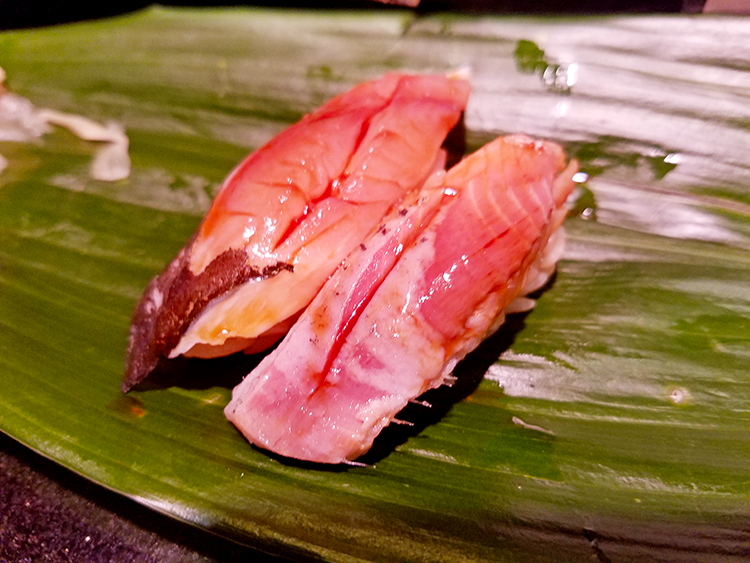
288	215
343	372
173	299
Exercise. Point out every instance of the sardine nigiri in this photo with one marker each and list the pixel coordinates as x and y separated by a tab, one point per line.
412	301
288	215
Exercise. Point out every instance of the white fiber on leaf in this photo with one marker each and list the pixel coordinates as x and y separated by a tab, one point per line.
20	121
83	127
112	161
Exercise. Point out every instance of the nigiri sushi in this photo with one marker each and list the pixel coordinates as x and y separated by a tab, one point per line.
409	303
288	215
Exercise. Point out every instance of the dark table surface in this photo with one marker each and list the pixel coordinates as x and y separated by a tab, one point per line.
29	13
49	514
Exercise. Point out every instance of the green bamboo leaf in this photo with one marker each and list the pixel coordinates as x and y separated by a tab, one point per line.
612	421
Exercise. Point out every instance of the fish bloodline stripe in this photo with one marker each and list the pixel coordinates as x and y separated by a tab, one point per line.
385	257
328	191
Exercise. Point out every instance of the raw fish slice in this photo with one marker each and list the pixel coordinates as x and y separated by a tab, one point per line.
382	332
288	215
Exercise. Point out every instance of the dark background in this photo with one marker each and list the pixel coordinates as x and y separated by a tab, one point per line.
28	13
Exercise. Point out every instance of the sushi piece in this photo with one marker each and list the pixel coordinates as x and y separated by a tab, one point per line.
408	304
288	215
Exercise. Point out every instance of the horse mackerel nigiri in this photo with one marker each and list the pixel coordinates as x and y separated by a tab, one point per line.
288	215
413	300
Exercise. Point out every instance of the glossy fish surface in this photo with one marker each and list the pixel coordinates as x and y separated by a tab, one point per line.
288	215
409	303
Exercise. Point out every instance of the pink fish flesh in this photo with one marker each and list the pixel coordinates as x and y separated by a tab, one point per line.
288	215
409	303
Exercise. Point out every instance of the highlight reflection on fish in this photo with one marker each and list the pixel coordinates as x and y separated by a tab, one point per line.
410	302
288	215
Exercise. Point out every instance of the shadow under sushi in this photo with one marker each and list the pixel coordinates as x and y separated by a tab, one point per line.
199	374
431	407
